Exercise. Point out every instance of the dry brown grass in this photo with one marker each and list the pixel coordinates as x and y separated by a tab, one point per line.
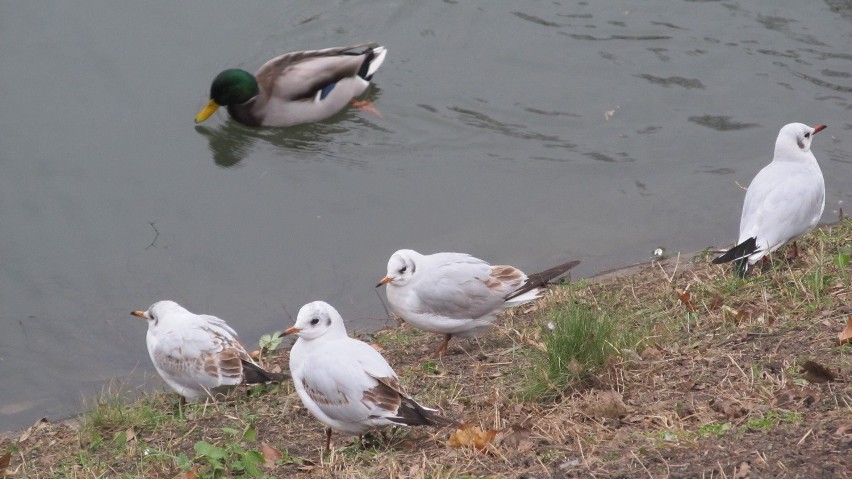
711	387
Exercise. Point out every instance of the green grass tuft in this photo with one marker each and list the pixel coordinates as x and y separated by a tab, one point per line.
113	411
579	340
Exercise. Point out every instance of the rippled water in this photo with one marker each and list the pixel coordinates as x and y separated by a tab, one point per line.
525	133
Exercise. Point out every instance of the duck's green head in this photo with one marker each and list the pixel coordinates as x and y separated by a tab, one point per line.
231	87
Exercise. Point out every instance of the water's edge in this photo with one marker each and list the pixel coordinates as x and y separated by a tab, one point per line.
679	261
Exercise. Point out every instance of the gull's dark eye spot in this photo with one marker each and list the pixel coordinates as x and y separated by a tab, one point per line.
314	321
808	135
402	270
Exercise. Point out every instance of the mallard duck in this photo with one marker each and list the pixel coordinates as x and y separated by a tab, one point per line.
297	87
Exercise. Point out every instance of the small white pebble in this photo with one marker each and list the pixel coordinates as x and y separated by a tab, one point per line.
550	325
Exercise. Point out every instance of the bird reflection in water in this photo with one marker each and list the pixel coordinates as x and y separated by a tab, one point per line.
231	142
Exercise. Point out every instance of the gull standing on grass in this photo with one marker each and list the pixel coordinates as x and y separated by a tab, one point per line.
783	202
456	294
344	382
198	355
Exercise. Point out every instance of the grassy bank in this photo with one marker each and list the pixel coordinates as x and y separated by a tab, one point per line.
674	369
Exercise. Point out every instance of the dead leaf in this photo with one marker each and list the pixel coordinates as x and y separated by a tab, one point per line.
270	454
190	474
40	424
5	459
743	471
845	336
816	373
377	347
25	435
843	430
685	299
652	354
794	396
414	471
716	303
731	409
471	437
607	404
514	435
630	355
749	311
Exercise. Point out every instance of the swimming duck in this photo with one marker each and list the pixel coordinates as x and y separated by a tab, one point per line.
296	87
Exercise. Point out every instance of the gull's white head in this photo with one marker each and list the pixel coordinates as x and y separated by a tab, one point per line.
401	267
160	310
794	140
317	319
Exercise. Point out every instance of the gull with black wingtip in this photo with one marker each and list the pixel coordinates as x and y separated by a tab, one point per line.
783	202
345	383
456	294
198	355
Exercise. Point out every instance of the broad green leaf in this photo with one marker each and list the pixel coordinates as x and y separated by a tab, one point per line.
206	449
253	461
250	434
183	462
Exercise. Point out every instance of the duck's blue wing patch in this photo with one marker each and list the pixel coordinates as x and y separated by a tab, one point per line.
326	90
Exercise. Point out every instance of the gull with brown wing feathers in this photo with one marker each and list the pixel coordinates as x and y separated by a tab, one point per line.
456	294
345	383
198	355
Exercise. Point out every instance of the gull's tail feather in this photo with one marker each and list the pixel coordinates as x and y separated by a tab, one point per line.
537	280
254	374
411	413
739	255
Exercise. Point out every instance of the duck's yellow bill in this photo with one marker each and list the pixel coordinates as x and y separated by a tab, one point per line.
208	110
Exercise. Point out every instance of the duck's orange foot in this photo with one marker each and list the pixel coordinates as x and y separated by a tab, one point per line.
366	105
